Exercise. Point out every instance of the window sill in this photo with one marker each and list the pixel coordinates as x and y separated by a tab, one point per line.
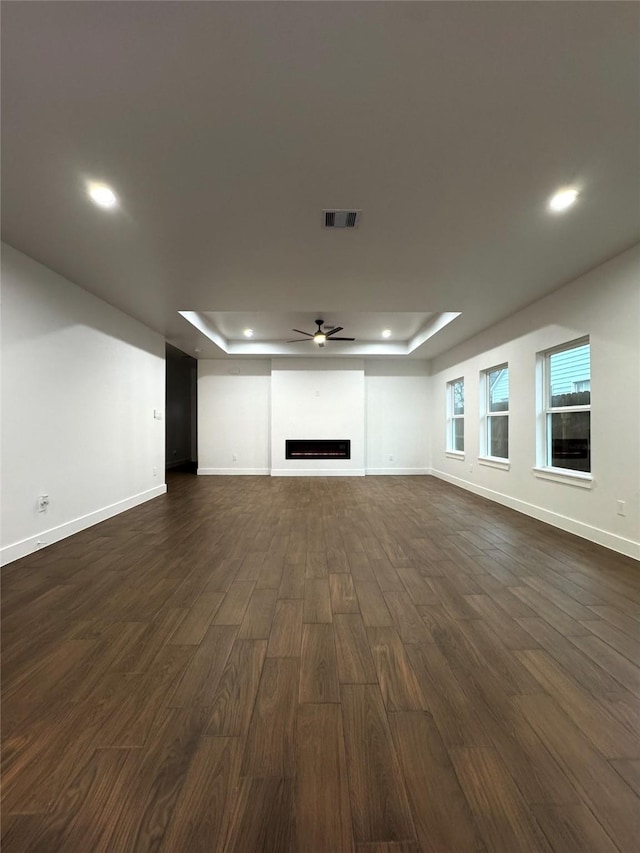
455	454
494	462
570	478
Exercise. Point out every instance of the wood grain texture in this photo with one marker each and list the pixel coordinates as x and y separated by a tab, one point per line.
604	791
258	617
630	772
317	600
497	805
199	683
459	722
408	622
379	803
318	665
355	663
398	683
573	829
604	731
201	817
269	749
626	673
383	664
286	632
323	811
372	604
626	624
193	627
152	782
416	586
343	594
231	612
264	817
587	673
292	582
441	813
547	610
233	701
81	812
616	638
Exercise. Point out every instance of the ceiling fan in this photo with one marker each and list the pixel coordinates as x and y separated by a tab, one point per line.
320	337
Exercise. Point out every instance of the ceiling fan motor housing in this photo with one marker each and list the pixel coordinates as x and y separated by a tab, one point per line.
321	335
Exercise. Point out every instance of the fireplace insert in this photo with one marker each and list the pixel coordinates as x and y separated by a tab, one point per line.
315	448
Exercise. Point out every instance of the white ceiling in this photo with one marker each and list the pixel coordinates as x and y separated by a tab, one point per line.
363	325
226	129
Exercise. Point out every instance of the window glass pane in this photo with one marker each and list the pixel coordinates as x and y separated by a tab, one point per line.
498	381
458	434
498	429
457	396
570	377
570	440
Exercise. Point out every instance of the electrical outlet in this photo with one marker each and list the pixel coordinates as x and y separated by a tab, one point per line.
234	457
155	472
391	459
43	503
622	507
470	469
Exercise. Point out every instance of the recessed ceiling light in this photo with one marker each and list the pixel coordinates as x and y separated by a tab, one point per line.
248	333
563	199
386	333
102	195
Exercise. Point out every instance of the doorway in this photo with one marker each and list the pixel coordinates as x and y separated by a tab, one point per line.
181	421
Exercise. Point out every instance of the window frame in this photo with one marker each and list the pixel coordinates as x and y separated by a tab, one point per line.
543	467
486	458
452	418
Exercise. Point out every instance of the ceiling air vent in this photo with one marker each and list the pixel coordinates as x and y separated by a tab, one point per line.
341	218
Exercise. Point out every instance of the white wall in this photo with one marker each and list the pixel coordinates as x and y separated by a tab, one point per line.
398	421
605	305
80	382
317	400
233	416
248	408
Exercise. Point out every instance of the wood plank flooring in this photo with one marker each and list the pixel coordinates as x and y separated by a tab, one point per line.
314	665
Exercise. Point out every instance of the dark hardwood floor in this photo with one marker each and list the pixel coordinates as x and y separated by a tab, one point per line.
377	664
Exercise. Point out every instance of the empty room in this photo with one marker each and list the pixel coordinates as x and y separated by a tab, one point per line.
320	437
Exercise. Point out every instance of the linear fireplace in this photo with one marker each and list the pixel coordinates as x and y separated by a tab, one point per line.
317	448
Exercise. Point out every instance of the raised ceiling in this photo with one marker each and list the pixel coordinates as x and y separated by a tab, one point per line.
227	128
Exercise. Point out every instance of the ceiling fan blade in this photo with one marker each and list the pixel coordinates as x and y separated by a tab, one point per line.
300	332
340	339
333	331
297	341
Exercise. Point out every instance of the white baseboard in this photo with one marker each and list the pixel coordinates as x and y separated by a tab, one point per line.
397	472
47	537
594	534
233	472
317	472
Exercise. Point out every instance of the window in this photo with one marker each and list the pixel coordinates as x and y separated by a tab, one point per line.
455	420
496	412
567	407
